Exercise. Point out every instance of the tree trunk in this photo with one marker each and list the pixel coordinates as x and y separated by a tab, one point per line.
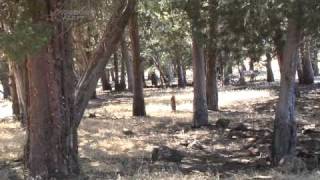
270	76
242	79
4	79
308	73
123	74
138	97
181	82
315	63
285	127
128	62
227	73
56	108
299	67
116	72
105	80
14	94
212	82
200	109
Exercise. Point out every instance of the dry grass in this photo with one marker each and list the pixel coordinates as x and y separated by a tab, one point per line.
107	153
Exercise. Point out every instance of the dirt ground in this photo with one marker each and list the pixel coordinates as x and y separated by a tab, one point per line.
108	152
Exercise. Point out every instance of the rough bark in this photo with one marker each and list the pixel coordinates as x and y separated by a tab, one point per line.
270	76
138	97
285	127
200	109
55	107
212	82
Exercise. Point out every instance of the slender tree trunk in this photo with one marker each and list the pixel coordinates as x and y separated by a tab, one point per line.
14	94
285	127
116	72
138	97
105	80
200	109
315	61
299	67
128	62
227	73
123	75
181	82
242	79
4	79
270	76
308	73
212	82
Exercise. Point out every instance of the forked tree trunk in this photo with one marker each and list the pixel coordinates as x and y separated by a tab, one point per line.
128	62
270	76
200	109
138	97
285	127
56	108
212	82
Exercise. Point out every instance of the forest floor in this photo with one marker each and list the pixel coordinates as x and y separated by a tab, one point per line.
115	145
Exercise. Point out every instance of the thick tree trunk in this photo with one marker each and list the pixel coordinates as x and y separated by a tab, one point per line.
200	109
270	76
138	97
308	73
128	62
4	79
212	82
285	127
55	108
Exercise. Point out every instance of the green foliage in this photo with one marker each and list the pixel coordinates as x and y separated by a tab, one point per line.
26	39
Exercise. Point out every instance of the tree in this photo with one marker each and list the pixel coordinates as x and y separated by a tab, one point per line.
200	109
212	85
285	128
138	97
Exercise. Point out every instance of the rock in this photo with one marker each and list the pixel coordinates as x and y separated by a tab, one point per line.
164	153
241	127
127	132
223	123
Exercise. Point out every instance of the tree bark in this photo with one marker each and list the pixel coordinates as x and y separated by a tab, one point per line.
285	127
181	81
128	62
308	73
4	79
138	97
270	76
55	107
14	94
105	80
212	82
116	72
200	109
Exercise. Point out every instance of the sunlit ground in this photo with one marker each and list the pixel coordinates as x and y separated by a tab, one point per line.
107	153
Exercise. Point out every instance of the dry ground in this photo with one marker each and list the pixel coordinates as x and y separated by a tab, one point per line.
210	153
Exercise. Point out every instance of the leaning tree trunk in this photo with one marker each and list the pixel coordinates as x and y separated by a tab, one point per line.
200	109
308	73
138	97
128	62
270	76
56	108
212	82
285	127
